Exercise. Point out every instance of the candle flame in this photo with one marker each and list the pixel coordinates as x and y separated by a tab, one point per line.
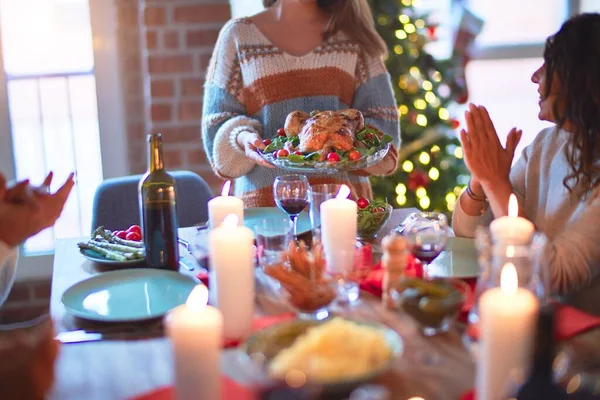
509	281
513	206
230	221
343	193
510	251
225	190
198	298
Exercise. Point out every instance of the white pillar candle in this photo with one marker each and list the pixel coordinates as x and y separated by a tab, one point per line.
232	276
196	332
512	229
338	231
223	205
508	315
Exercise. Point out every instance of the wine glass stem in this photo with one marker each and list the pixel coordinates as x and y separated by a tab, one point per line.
425	266
294	218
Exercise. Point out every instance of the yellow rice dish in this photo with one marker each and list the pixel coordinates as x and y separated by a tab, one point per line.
336	350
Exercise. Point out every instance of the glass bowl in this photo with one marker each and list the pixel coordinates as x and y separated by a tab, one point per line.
309	302
370	222
434	303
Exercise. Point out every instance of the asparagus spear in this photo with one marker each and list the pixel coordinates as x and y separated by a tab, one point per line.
111	255
108	235
135	251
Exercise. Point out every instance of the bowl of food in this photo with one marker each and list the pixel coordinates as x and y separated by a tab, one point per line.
372	216
326	142
434	303
302	282
310	353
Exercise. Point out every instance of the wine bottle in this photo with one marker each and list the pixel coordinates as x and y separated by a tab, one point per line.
540	384
158	210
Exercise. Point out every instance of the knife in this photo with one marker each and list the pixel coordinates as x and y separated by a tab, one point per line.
82	336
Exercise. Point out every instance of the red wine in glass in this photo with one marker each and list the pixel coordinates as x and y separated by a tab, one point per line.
292	206
291	195
426	253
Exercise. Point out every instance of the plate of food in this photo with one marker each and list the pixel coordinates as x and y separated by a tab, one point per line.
122	248
326	142
314	349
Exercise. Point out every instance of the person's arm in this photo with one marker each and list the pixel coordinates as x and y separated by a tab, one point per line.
8	269
224	117
574	254
374	97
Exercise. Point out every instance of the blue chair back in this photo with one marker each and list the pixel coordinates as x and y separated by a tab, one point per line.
116	203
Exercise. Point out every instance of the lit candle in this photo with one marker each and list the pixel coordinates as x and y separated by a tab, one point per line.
512	228
232	276
338	230
223	205
507	320
196	332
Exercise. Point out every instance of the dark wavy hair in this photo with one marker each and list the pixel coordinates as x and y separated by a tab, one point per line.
572	59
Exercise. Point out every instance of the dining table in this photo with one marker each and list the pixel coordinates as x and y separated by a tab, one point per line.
121	367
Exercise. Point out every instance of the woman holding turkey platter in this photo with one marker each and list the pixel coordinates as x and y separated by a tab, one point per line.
308	70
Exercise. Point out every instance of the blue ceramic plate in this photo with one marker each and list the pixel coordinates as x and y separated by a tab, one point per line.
98	258
128	295
459	259
252	216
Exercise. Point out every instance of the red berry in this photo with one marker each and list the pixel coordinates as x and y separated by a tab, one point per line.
283	153
267	142
281	132
333	157
362	203
354	155
136	237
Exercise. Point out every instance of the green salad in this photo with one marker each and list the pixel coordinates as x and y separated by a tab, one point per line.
372	215
367	141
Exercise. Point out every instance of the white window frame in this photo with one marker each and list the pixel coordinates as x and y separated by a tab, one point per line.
111	118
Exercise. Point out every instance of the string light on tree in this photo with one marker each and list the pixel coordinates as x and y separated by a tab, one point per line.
424	158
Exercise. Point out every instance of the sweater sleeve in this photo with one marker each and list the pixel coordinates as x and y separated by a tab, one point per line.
224	113
465	225
574	253
374	97
8	269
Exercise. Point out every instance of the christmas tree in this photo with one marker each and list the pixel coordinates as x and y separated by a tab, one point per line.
431	172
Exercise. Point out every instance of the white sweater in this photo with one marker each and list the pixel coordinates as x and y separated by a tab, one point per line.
571	225
8	263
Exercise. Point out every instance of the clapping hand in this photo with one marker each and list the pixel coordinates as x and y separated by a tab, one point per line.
484	155
25	211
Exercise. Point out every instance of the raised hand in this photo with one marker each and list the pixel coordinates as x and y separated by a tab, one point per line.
484	155
25	212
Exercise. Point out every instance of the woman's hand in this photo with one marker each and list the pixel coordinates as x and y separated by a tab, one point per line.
485	157
251	142
25	212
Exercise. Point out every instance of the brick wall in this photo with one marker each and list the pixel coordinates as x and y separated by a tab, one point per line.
165	50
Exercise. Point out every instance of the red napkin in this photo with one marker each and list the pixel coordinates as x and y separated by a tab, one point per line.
373	281
570	322
230	390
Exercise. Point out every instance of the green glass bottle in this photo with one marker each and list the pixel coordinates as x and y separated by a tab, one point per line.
158	210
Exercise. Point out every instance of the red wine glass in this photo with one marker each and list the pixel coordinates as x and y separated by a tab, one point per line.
291	195
426	235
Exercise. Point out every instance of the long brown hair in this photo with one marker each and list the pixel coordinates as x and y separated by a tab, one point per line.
572	56
355	19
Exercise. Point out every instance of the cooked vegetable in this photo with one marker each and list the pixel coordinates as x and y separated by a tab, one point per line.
111	255
111	237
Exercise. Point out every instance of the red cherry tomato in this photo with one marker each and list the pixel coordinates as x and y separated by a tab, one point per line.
136	237
298	153
281	132
333	157
135	228
362	203
120	234
354	155
283	153
267	142
368	135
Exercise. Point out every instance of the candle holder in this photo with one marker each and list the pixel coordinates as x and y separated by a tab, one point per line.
493	254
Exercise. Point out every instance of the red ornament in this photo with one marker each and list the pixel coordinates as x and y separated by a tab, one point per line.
412	117
454	123
417	179
431	31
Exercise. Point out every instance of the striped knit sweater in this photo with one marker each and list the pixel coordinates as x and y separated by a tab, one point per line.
252	85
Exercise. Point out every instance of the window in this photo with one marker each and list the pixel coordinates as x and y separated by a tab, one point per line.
48	63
